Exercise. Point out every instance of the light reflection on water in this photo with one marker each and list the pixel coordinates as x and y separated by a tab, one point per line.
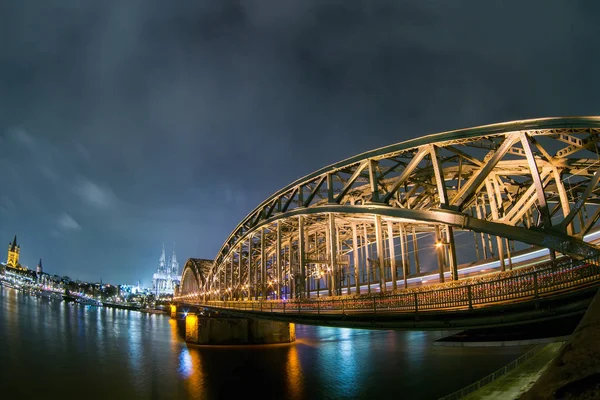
108	353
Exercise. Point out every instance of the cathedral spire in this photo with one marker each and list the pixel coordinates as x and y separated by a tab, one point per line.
174	264
14	243
162	261
174	257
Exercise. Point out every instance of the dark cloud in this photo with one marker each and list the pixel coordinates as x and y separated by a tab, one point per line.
125	124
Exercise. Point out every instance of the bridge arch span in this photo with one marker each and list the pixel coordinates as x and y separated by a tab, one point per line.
372	221
193	276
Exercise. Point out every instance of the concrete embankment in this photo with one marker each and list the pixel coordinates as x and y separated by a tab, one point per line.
575	371
514	383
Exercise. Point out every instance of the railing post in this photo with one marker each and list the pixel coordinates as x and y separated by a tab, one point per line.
284	307
470	294
374	306
416	303
535	284
318	307
343	307
298	307
271	306
261	302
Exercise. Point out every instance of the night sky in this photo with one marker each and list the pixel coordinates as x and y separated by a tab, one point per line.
127	124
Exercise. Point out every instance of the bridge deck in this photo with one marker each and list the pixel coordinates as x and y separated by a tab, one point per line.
479	296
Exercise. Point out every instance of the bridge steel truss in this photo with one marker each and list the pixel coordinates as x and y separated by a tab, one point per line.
375	218
193	275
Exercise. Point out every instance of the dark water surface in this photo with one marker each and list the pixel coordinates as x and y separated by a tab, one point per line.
51	349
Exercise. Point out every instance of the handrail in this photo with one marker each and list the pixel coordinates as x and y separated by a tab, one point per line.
470	293
459	394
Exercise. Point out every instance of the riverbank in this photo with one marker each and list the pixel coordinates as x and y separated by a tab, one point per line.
516	382
575	371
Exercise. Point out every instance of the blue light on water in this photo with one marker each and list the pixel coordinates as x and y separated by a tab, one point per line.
185	363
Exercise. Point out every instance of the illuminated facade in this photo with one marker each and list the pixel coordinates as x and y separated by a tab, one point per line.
166	276
13	254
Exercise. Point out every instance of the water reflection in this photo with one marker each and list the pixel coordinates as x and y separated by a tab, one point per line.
294	374
349	371
341	353
186	367
108	353
191	366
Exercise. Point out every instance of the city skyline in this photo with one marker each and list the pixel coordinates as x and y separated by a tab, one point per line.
144	282
112	142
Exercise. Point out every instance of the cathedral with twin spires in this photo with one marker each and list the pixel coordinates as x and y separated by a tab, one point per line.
167	275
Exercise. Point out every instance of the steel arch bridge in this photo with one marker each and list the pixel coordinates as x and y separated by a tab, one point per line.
194	273
380	217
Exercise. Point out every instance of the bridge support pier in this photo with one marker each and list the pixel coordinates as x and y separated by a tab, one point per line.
217	329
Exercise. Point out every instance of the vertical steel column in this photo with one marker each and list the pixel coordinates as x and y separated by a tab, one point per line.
250	283
220	286
278	261
308	279
367	264
301	255
333	251
386	253
355	258
329	269
390	231
291	291
339	245
224	285
439	251
452	252
263	265
230	287
416	250
380	255
239	285
403	252
348	283
407	258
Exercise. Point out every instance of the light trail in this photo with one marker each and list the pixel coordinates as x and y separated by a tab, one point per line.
533	255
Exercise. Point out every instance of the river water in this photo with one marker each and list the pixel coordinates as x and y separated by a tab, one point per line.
53	349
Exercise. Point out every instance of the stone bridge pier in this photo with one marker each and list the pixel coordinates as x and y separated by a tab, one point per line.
212	328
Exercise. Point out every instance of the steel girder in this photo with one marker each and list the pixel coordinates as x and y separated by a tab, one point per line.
532	181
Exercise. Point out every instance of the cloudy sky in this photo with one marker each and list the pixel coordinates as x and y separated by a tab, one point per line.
126	124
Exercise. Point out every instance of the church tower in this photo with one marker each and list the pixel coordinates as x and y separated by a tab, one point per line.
162	261
13	254
174	267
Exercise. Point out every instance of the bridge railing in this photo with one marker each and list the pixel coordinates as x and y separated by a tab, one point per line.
514	286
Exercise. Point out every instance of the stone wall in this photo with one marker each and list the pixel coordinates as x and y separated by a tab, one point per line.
226	330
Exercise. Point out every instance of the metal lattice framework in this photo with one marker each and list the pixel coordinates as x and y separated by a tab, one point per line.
194	274
382	216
